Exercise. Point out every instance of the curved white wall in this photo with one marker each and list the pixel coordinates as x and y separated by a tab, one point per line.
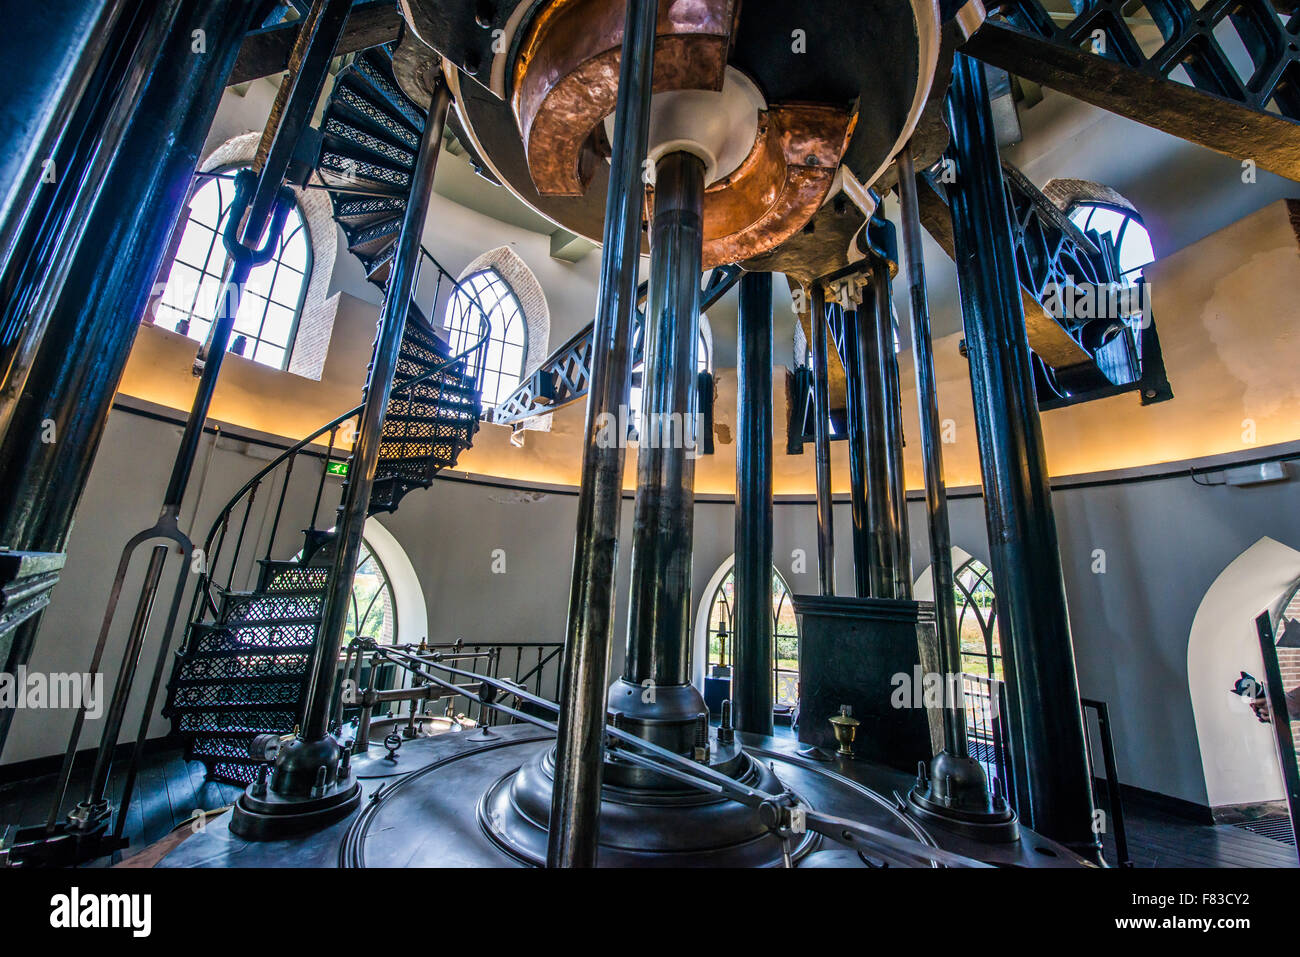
1237	751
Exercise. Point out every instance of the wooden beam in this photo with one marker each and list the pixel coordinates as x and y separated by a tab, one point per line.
1197	116
266	52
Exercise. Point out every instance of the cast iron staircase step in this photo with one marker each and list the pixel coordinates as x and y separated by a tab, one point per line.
465	424
352	212
349	172
379	266
280	575
231	725
347	138
258	606
373	239
375	71
354	102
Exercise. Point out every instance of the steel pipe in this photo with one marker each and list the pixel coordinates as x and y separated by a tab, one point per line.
1049	757
822	442
866	564
936	493
580	742
365	454
99	279
755	653
659	608
881	513
889	401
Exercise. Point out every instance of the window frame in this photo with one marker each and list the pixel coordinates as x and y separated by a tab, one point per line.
1130	216
464	299
199	181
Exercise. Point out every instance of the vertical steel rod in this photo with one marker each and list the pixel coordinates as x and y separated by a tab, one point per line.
1049	763
162	114
751	681
365	453
865	558
881	513
936	493
580	745
891	406
659	607
822	440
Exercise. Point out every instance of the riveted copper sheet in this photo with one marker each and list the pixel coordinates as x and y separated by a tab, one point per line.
780	186
566	77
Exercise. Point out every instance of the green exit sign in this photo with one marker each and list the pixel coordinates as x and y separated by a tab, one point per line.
336	468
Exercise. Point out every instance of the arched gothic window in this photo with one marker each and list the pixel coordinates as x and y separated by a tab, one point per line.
981	648
271	304
508	342
785	634
373	609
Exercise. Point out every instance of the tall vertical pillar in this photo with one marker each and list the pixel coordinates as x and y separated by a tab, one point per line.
822	442
1049	758
659	607
867	581
580	745
751	682
97	281
889	399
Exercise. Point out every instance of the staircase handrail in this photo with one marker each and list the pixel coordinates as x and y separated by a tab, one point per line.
209	565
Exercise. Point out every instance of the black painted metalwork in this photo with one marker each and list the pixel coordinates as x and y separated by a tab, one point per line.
1192	44
164	109
822	438
886	415
867	570
755	649
1114	800
936	493
565	375
26	579
580	743
1049	759
159	98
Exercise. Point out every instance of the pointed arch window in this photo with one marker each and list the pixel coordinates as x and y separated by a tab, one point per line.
508	341
981	646
271	305
785	636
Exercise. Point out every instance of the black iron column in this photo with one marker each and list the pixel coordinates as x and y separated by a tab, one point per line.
580	744
312	783
1049	757
956	789
866	565
890	403
751	680
881	513
100	276
936	493
659	608
822	439
365	454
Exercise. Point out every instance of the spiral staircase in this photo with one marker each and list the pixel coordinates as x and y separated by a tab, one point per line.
243	667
